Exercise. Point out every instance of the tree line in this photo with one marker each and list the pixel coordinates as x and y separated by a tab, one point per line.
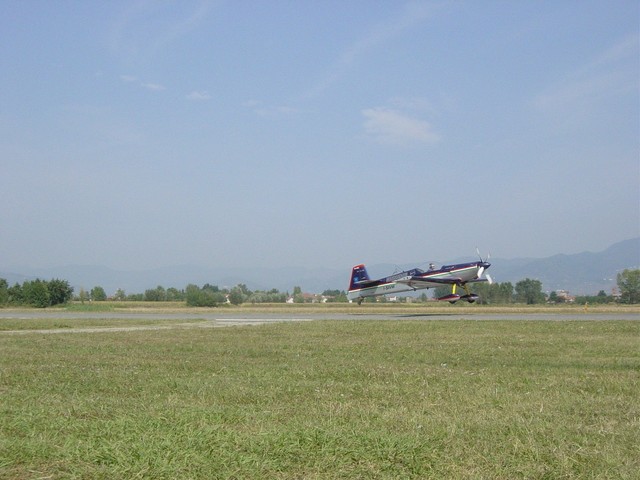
41	293
530	292
36	293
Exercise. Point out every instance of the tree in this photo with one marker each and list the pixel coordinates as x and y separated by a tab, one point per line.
59	291
236	297
243	289
4	292
16	294
297	295
174	295
157	294
204	297
272	296
36	293
529	291
98	294
505	292
602	297
629	285
341	297
83	296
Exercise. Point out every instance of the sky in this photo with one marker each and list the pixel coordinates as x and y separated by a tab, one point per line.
140	134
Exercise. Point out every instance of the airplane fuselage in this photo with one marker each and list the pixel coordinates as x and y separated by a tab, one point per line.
416	279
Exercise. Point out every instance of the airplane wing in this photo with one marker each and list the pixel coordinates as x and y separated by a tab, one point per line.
422	281
479	280
417	281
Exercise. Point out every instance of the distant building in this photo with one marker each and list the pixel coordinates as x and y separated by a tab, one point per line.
308	298
565	296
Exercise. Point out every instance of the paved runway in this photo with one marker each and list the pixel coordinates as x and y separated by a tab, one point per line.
212	319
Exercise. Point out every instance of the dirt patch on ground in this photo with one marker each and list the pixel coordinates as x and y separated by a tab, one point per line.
230	322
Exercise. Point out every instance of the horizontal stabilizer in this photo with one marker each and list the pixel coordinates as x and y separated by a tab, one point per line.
363	283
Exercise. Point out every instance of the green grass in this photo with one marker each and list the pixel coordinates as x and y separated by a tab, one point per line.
325	399
110	306
88	306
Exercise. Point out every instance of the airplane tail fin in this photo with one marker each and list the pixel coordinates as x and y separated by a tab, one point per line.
358	276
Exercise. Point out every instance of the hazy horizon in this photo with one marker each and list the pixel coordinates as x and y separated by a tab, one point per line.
137	135
576	273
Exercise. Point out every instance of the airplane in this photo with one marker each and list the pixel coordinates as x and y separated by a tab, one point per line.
458	275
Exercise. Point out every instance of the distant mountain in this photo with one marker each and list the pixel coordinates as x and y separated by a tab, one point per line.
582	273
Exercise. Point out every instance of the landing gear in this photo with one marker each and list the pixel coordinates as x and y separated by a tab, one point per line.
469	297
454	297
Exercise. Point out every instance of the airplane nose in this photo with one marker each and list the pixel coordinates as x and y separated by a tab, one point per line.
483	267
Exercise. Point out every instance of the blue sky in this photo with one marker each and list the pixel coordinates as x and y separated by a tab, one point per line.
137	134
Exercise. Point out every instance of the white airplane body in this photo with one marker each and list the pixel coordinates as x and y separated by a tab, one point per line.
458	275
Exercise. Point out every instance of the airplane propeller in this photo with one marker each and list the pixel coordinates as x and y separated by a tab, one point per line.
480	256
480	272
483	264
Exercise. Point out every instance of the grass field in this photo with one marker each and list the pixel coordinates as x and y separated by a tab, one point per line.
325	399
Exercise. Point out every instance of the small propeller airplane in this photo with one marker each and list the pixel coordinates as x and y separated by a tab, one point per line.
458	275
